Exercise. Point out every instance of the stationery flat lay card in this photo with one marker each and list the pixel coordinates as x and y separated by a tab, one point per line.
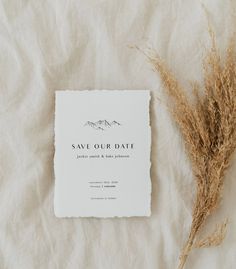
102	153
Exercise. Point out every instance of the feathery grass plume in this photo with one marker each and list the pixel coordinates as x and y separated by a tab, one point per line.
208	127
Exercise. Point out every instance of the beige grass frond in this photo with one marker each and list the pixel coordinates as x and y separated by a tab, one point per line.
215	238
208	128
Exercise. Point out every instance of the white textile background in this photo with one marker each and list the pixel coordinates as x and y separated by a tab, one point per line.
74	44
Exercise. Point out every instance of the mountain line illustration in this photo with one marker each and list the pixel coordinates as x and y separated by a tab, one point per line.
102	125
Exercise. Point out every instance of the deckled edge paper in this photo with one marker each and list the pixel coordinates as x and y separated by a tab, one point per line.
148	211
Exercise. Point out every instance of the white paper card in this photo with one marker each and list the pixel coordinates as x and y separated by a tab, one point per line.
102	153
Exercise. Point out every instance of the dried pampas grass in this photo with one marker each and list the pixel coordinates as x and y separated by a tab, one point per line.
208	127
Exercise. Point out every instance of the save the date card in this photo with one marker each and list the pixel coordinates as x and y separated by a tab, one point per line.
102	153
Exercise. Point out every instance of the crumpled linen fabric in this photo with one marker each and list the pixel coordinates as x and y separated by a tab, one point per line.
74	44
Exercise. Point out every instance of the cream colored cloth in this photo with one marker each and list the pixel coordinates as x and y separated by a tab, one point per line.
53	44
